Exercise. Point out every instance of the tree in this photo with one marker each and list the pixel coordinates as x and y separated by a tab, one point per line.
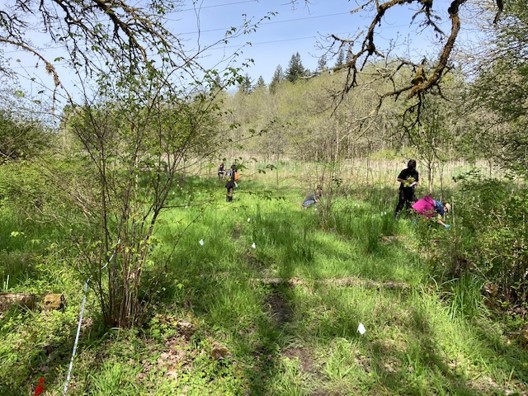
21	139
244	85
322	64
364	47
277	78
500	91
153	105
431	137
340	61
260	83
134	153
295	68
82	27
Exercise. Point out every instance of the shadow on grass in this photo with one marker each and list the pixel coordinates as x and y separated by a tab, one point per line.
421	367
506	356
424	369
43	351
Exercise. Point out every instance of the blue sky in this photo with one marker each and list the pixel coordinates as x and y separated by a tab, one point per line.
298	28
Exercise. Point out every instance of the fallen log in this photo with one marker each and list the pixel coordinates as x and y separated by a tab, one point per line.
31	301
22	299
337	282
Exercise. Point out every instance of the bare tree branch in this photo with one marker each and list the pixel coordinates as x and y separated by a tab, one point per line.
421	83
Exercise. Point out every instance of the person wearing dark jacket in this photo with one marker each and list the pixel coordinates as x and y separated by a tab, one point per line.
408	179
230	186
221	171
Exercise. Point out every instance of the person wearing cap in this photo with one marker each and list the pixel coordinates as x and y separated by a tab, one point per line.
429	208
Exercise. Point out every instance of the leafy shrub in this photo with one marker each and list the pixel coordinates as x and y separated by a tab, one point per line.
21	139
489	238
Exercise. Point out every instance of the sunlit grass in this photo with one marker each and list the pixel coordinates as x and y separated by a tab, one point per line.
284	293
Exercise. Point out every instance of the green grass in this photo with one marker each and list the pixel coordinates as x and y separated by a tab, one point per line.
278	292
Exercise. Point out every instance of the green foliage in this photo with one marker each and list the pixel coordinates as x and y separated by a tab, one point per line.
255	297
365	224
500	92
465	297
489	241
295	69
115	378
39	340
245	85
22	139
278	77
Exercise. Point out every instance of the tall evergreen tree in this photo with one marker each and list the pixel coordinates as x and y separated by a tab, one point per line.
260	83
322	64
277	78
295	69
245	85
340	61
349	55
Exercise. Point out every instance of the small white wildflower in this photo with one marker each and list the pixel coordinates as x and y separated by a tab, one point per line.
249	219
201	242
254	246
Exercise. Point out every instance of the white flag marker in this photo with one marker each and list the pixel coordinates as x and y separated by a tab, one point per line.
361	329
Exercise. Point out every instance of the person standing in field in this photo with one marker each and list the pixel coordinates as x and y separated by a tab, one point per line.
232	173
408	179
230	186
221	171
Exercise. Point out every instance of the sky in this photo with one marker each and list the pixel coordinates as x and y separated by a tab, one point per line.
294	28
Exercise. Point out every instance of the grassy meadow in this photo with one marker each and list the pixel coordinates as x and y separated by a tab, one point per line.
262	297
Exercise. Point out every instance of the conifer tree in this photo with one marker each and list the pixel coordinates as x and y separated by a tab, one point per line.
322	64
295	69
340	61
277	78
260	83
245	85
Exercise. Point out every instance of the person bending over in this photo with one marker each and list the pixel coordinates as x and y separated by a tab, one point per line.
313	198
430	208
